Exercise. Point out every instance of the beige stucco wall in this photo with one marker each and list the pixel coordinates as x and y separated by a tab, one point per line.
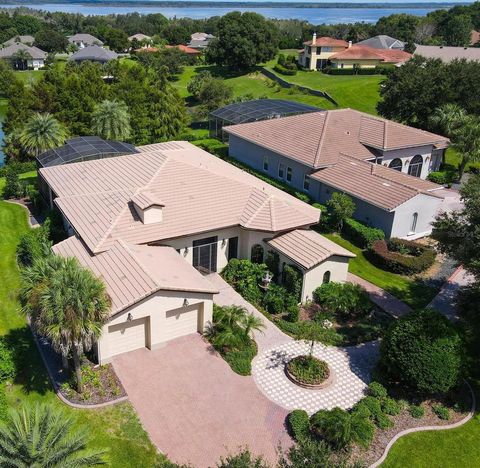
318	53
350	63
155	308
313	278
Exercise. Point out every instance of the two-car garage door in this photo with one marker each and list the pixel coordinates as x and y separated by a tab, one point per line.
128	336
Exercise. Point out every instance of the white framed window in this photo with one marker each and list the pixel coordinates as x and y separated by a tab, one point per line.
289	174
265	163
306	183
281	171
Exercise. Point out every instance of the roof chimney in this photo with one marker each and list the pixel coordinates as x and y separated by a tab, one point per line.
314	38
349	44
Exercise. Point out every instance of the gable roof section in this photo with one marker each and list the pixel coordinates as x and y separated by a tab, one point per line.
316	138
132	273
328	42
94	52
382	41
374	183
19	38
85	38
362	52
11	50
307	248
199	191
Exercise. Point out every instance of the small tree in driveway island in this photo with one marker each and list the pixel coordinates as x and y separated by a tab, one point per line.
67	304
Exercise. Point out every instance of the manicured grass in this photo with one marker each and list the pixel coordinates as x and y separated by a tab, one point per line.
413	292
29	177
452	158
360	92
115	428
254	84
29	76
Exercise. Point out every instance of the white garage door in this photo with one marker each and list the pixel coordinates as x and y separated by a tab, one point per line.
127	336
180	322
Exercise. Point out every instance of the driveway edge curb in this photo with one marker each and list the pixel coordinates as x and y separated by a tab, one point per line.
427	428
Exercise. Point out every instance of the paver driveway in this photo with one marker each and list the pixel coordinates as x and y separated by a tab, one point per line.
195	408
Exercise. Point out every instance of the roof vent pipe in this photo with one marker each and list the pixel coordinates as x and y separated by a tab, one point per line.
349	44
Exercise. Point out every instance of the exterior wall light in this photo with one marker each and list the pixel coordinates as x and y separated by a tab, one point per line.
185	252
185	303
129	317
224	242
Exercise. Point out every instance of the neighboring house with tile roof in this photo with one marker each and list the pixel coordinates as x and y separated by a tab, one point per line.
93	53
148	223
28	40
381	164
448	54
368	57
200	40
382	41
475	38
36	57
140	37
82	40
317	52
185	49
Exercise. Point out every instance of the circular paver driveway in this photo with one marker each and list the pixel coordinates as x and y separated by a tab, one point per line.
352	367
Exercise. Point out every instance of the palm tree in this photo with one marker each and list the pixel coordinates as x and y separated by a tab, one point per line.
42	132
111	120
67	304
251	323
41	436
21	58
466	140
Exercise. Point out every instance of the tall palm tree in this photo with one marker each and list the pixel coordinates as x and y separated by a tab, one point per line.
111	120
466	140
448	117
21	58
42	132
40	436
67	304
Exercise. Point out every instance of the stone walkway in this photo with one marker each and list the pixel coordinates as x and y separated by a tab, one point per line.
381	298
351	366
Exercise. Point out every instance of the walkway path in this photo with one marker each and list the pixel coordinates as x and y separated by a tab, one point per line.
444	301
382	298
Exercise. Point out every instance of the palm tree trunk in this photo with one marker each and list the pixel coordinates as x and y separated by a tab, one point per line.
461	168
64	361
78	371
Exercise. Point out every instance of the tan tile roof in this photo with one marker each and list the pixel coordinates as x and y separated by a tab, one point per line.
307	248
328	41
362	52
185	49
199	191
146	198
374	183
316	138
132	273
447	54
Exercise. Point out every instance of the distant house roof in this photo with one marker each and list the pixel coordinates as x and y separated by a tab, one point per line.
201	36
87	39
447	54
260	109
383	42
84	149
474	37
94	53
147	49
315	139
139	37
327	41
185	49
361	52
29	40
10	51
379	185
199	191
307	248
200	40
134	272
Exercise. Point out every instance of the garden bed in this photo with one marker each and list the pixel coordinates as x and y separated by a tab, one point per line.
100	383
239	359
309	372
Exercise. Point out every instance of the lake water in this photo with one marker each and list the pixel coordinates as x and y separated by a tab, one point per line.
313	15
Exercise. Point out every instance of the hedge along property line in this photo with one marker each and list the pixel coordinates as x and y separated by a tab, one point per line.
388	255
428	428
286	84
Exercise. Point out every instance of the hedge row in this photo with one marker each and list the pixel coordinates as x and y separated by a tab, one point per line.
402	256
378	70
18	167
284	71
442	177
361	235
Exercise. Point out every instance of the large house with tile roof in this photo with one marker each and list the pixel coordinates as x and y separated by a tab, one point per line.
152	224
381	164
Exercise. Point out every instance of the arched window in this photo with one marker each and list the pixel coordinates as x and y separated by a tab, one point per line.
256	254
416	164
396	164
414	222
326	277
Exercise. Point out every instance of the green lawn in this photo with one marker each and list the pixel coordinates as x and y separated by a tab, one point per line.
115	428
414	293
254	84
452	158
29	76
361	92
28	176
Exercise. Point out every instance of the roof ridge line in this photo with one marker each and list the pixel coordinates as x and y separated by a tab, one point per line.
264	202
320	142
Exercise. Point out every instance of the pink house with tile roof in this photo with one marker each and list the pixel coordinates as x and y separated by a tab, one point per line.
154	224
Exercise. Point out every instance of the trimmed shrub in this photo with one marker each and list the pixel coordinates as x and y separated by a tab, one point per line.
3	404
346	299
335	426
34	244
377	390
382	421
7	362
423	350
18	167
441	411
391	407
274	299
293	281
272	260
402	256
284	71
363	430
385	69
13	187
293	313
370	407
245	278
416	411
442	177
361	235
299	424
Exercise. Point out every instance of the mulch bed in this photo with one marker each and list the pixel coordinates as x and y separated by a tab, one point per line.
404	421
101	385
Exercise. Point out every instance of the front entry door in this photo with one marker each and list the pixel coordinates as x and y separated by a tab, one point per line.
205	254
